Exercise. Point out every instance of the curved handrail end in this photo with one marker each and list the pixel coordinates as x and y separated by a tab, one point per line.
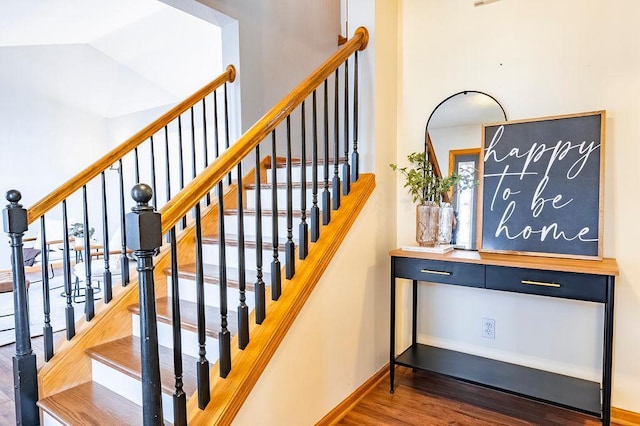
362	31
232	73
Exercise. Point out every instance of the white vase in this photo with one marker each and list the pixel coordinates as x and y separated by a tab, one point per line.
445	224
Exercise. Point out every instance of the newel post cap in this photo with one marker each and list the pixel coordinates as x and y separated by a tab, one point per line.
143	224
14	216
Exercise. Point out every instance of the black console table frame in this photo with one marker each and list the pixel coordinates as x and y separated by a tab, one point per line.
588	280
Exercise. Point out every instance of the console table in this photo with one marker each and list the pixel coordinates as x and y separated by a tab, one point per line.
588	280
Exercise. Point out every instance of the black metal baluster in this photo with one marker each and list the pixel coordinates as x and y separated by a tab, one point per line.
336	145
179	396
70	321
224	336
194	166
226	124
355	156
106	275
326	195
259	289
181	162
47	331
216	126
203	363
25	373
303	229
315	211
124	261
145	232
205	147
243	309
89	307
276	278
137	165
193	144
167	163
153	172
346	170
290	247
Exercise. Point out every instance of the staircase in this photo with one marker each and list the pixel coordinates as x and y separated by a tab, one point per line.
114	394
218	264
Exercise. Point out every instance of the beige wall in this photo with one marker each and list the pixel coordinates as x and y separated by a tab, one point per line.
538	59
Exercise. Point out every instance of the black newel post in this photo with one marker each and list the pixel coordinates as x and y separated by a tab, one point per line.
24	361
144	237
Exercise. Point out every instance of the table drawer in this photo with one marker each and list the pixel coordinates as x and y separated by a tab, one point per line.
435	271
567	285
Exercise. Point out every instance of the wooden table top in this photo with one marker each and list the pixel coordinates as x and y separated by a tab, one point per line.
606	266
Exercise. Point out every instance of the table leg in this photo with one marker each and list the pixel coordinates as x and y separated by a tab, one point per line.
414	318
607	352
392	328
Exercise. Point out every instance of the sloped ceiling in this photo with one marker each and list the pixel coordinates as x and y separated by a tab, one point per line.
108	57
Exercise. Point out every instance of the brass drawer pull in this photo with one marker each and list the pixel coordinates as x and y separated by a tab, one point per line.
541	283
429	271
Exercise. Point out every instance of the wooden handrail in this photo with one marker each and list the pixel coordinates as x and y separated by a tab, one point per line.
82	178
184	201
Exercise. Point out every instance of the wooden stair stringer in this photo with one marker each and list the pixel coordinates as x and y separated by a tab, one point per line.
229	394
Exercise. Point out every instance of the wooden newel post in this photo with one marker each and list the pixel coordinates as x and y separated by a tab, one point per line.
144	237
25	373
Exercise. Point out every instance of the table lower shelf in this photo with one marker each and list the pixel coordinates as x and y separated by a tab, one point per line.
564	391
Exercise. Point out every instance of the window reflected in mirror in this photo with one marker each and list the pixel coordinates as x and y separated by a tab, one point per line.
464	162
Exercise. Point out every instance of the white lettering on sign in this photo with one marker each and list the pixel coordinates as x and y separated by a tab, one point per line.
551	161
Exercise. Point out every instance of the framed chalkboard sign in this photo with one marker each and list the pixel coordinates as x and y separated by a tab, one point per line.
541	189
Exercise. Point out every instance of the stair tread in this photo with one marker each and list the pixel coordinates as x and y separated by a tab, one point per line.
91	404
281	162
211	274
265	212
189	316
124	355
232	240
283	185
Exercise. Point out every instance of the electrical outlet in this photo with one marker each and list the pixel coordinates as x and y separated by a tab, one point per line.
488	328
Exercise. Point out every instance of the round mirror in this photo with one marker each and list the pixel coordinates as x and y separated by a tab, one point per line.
452	142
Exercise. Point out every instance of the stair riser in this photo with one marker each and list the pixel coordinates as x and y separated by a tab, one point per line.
210	252
231	226
281	174
190	345
47	420
266	197
127	387
212	294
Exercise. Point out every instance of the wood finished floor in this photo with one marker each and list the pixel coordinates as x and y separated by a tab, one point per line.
422	398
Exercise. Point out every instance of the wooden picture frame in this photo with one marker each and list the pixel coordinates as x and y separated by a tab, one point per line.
541	186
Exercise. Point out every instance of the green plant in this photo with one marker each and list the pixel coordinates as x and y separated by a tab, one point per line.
419	179
424	186
77	230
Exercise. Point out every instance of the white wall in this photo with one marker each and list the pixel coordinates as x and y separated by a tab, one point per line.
538	58
38	157
281	42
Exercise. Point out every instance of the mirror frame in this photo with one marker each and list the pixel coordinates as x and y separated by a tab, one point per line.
464	92
429	149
